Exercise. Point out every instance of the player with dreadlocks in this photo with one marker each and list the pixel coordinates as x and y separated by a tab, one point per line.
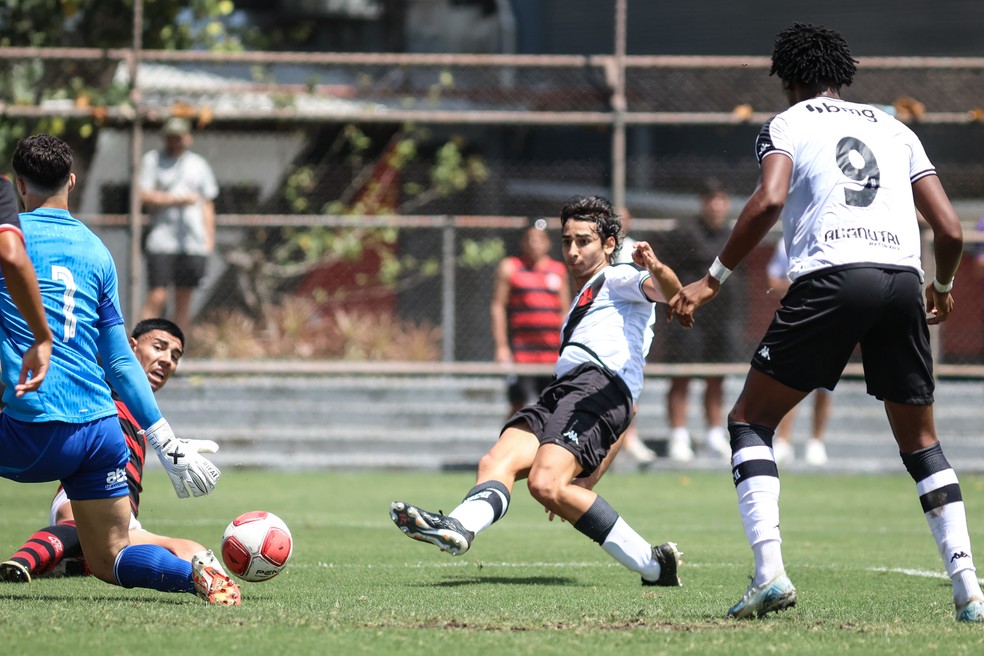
846	179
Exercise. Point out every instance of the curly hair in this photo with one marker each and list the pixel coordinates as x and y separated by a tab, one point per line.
810	55
599	210
43	161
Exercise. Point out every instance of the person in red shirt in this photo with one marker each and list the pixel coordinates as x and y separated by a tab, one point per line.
530	298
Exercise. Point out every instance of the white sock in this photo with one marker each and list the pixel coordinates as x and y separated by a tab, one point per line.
768	561
632	550
948	524
680	434
716	434
758	504
484	504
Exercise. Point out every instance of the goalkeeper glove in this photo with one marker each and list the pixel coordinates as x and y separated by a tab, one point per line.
182	460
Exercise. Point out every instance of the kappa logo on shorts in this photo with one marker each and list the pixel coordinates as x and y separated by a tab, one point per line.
764	353
571	436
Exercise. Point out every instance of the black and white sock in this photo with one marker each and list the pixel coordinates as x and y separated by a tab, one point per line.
485	504
619	540
942	504
756	477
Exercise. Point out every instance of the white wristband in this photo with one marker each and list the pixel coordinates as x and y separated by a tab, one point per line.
718	271
941	288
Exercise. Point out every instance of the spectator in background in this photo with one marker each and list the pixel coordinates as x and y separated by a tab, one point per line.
530	298
716	337
632	444
178	190
816	451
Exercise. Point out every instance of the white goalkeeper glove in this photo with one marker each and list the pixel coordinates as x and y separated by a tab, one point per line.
182	460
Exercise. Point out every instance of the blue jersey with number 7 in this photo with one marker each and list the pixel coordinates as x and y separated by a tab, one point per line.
80	291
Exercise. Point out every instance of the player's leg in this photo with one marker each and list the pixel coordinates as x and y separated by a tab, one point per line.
782	446
941	500
45	549
680	448
486	503
715	440
577	442
180	547
550	483
182	306
816	450
760	407
160	276
899	369
188	274
104	530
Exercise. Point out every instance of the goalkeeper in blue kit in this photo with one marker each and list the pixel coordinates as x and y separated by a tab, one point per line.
67	430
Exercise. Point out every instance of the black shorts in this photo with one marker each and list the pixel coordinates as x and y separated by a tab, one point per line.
825	315
177	269
584	411
524	390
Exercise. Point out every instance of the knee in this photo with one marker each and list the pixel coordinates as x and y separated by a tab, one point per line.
544	489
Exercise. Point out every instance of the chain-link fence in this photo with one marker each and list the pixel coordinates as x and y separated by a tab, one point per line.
365	199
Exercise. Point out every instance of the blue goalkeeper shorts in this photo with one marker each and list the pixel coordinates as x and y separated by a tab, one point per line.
89	459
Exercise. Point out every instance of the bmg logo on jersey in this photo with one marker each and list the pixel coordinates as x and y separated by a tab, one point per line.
115	477
867	112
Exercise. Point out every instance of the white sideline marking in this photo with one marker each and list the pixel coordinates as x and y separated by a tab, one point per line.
913	572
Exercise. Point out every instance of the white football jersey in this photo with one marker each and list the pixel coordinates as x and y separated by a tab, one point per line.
617	330
850	195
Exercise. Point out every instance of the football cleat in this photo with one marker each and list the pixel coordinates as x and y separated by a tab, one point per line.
972	611
770	597
211	582
14	572
668	557
445	532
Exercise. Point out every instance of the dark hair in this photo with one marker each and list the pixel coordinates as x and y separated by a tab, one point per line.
712	187
809	55
43	161
599	210
149	325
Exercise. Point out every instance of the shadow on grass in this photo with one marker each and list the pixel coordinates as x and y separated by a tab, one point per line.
164	597
507	580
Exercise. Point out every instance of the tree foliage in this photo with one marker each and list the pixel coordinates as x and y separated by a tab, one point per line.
167	24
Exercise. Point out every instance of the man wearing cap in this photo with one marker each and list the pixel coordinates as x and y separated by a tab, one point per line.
177	188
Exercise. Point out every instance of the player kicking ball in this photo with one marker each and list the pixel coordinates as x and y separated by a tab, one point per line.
564	443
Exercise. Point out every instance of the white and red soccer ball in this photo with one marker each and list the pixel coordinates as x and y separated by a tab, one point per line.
256	546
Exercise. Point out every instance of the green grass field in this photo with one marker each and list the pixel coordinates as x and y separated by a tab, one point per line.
857	548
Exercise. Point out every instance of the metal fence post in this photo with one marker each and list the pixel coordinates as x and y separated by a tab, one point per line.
448	289
136	148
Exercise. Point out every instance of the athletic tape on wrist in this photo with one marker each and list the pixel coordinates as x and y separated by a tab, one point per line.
718	271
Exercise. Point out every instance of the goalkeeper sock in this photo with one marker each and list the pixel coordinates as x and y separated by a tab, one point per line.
485	504
943	506
154	567
757	483
47	547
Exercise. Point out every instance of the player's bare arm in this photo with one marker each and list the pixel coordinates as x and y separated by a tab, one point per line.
757	217
498	312
934	205
663	282
22	284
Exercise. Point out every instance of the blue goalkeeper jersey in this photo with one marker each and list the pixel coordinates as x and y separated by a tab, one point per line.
79	289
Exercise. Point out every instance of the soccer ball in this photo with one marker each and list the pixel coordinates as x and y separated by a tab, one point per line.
256	546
